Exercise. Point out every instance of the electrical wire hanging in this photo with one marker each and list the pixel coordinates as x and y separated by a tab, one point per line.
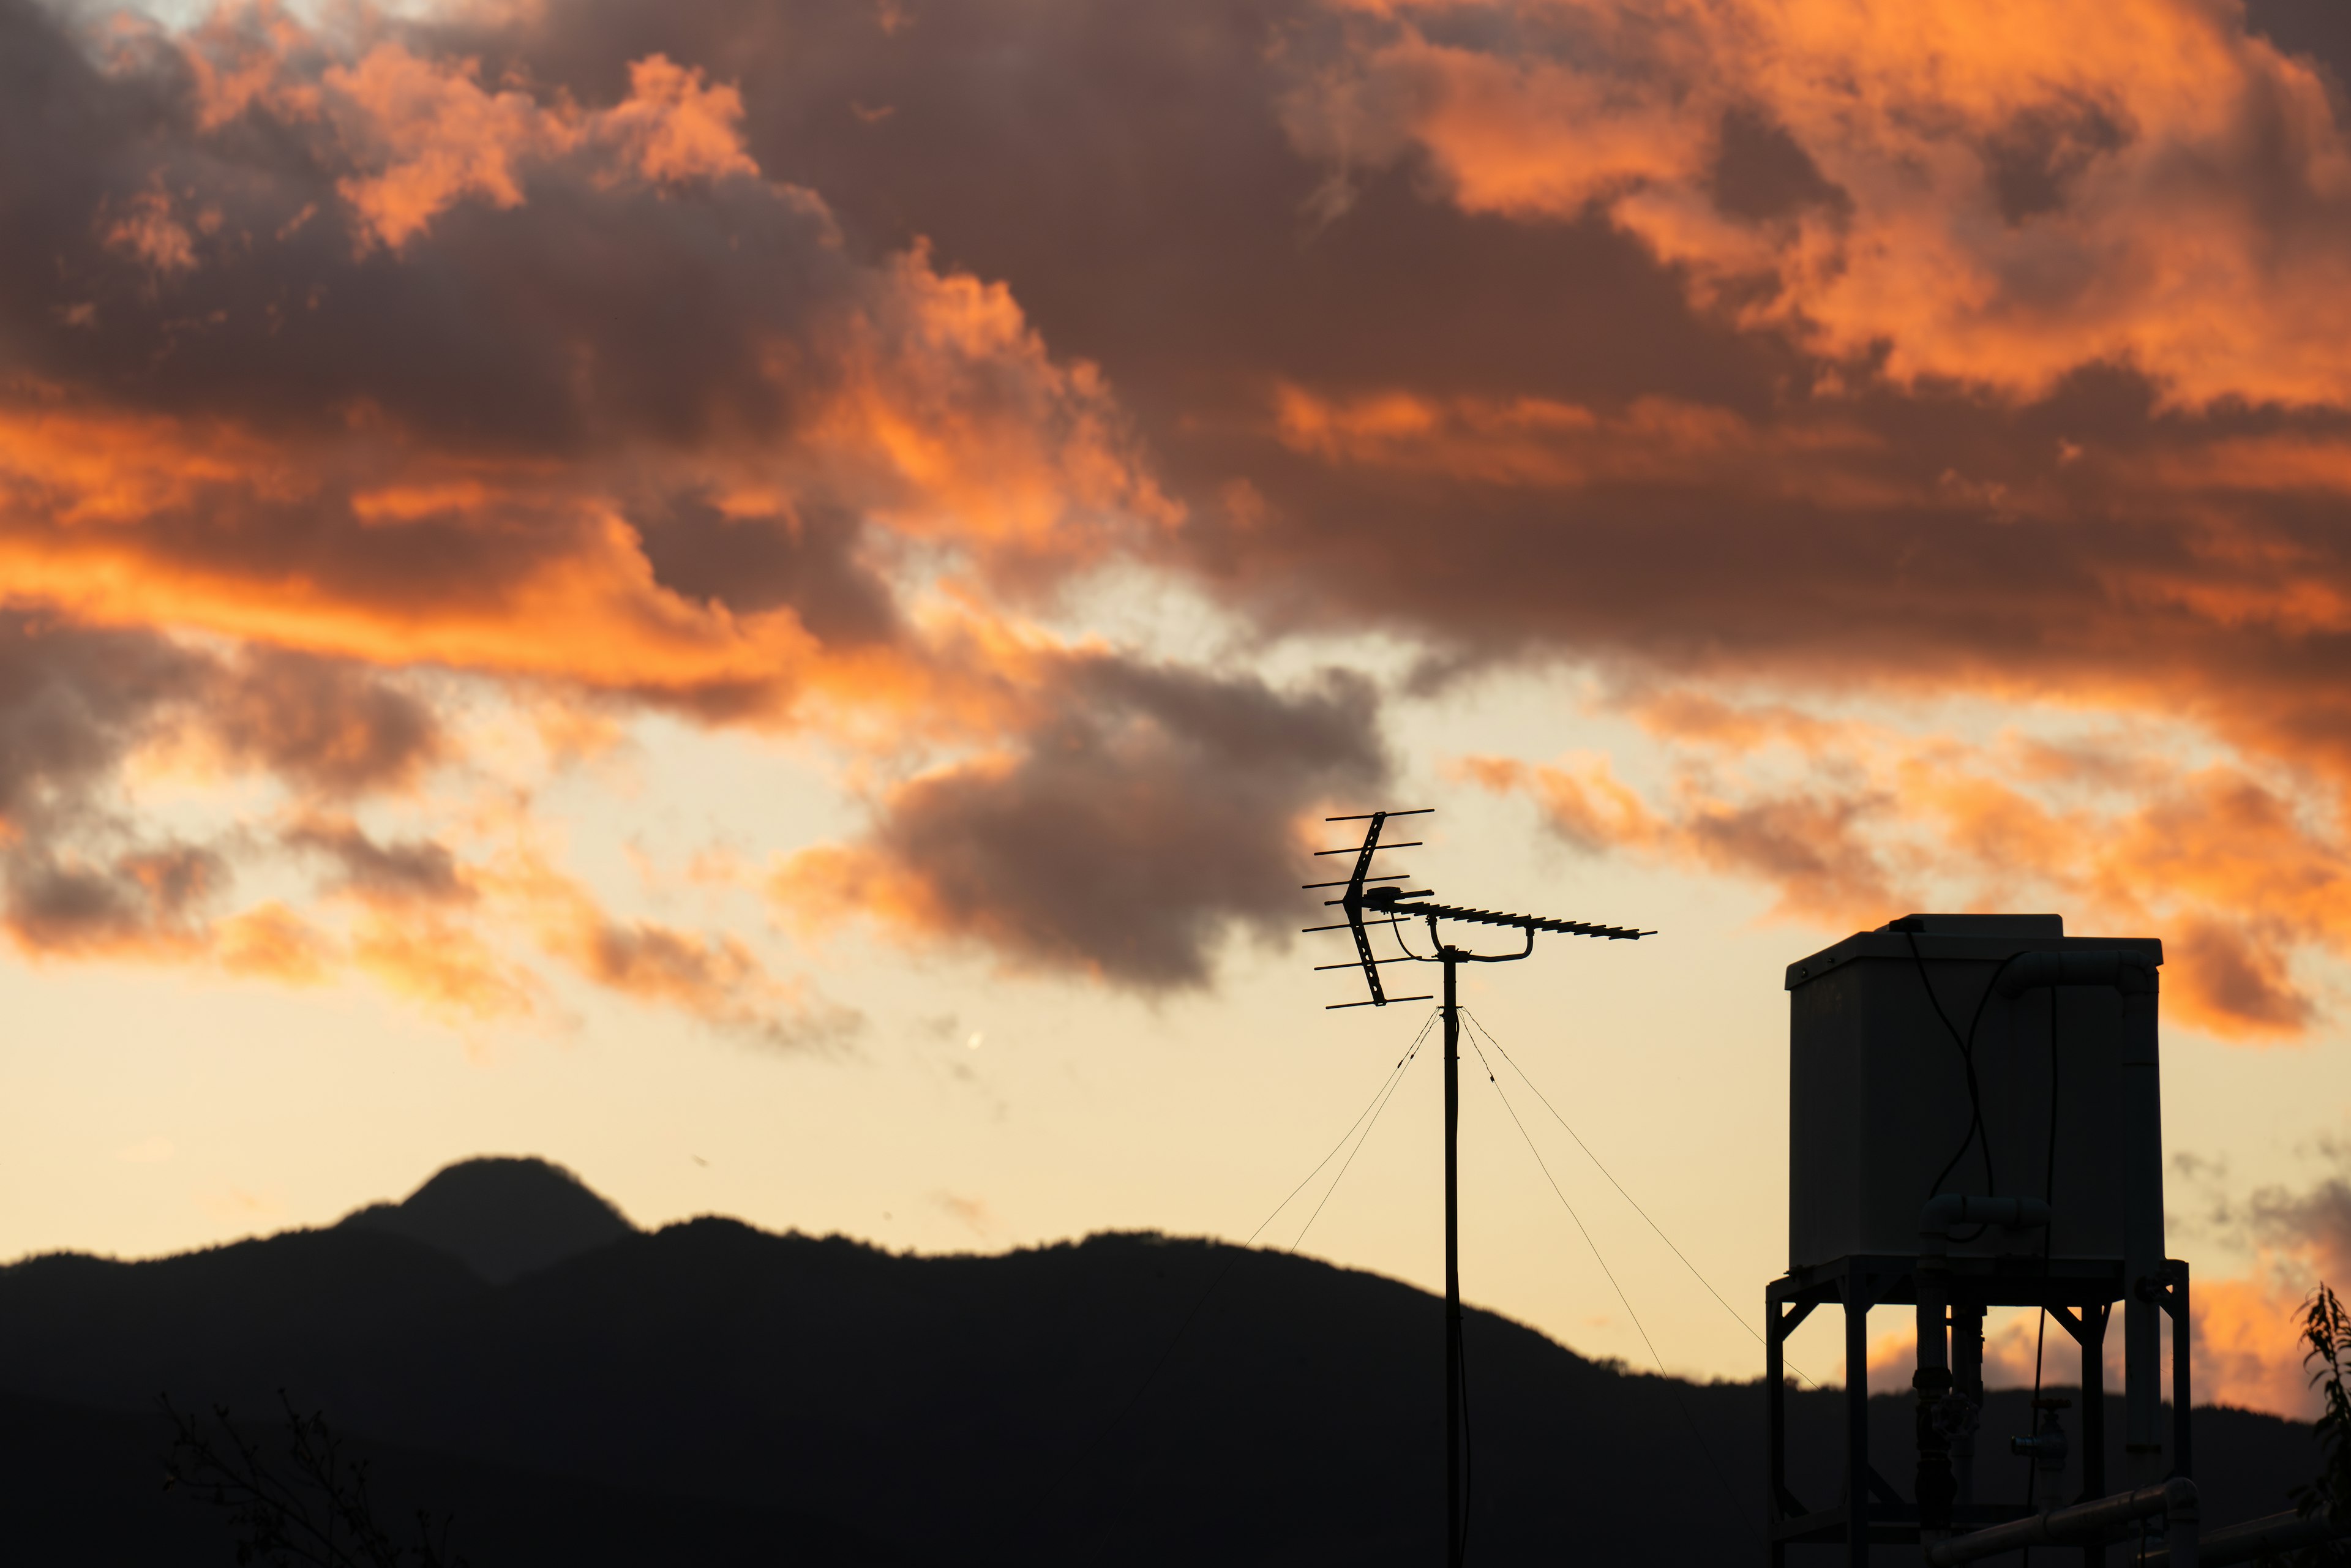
1672	1382
1536	1090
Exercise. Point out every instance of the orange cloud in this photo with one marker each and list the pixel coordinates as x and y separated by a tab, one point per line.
1990	194
1850	823
674	127
148	230
430	137
1803	346
444	966
717	979
1539	443
2247	1346
272	942
972	432
423	133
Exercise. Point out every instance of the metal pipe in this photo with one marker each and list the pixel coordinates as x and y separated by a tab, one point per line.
1454	1539
1938	1420
1930	1385
2143	1271
1967	1386
2272	1535
2096	966
2102	1518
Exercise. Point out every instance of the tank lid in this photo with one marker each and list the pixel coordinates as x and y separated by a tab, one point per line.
1975	938
2027	925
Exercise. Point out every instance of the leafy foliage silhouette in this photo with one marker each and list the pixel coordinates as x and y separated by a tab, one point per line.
2326	1330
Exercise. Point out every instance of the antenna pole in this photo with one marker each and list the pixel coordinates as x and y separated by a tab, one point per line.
1392	907
1453	1535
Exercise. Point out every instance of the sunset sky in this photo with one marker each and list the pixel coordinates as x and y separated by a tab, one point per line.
764	599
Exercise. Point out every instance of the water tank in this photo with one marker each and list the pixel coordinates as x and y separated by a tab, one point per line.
1879	1100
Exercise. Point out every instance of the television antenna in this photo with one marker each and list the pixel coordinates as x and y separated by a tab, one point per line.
1365	906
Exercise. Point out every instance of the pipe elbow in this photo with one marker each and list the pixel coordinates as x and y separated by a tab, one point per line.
2126	972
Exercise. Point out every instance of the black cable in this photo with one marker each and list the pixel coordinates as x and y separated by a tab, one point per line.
1536	1089
1395	929
1968	1063
1673	1384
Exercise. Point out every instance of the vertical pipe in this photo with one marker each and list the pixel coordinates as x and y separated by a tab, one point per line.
1775	1418
1967	1380
1453	1540
2093	1418
1856	1417
1929	1385
2142	1232
2182	1456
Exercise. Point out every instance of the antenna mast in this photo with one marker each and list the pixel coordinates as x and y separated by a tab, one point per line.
1366	906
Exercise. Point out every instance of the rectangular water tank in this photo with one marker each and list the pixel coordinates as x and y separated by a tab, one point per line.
1878	1101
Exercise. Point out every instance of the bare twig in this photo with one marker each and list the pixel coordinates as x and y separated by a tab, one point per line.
310	1505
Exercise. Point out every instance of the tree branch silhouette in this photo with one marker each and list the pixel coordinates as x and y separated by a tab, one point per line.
307	1505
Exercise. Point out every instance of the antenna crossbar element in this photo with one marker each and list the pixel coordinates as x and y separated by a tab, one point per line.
1516	922
1369	848
1376	902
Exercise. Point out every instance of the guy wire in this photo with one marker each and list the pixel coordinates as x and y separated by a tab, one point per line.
1537	1090
1672	1382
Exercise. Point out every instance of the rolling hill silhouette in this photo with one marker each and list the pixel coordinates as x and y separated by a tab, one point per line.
709	1392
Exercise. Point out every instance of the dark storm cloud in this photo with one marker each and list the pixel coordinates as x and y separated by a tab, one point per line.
72	702
357	343
330	727
404	870
1872	388
1130	169
806	560
1127	170
593	308
76	703
1701	347
1148	813
143	901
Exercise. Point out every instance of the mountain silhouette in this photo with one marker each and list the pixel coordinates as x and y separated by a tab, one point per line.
502	1215
725	1392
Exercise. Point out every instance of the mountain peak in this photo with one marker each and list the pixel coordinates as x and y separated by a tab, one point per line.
504	1216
